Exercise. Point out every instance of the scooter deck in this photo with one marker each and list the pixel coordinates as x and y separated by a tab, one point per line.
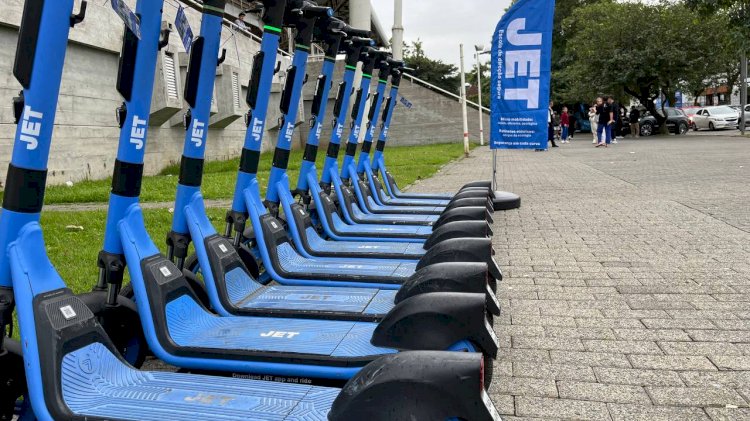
364	200
96	383
326	209
423	199
358	301
361	249
317	341
233	288
294	264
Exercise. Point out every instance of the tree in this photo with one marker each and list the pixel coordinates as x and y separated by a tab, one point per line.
737	15
436	72
471	78
643	50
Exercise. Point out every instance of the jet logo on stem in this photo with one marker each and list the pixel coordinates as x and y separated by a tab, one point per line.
198	132
31	126
138	132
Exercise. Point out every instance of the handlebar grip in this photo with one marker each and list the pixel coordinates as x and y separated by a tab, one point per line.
353	32
310	9
362	41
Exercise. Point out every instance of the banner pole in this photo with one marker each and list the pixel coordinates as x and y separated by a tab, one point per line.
494	169
463	104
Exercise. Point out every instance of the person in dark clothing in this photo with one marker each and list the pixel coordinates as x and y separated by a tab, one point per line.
551	125
617	124
605	119
572	118
635	122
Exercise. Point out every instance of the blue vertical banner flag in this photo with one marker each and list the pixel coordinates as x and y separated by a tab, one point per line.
521	70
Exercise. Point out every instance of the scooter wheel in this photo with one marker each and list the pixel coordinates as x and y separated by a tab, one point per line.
13	401
489	362
122	324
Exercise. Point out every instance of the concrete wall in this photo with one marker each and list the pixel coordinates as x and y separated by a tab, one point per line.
433	118
85	135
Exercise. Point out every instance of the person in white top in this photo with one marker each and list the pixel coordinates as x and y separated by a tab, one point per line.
240	21
592	120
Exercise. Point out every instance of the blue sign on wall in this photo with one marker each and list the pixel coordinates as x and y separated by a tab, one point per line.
521	67
183	28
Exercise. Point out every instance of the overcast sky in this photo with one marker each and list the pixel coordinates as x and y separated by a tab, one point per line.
443	25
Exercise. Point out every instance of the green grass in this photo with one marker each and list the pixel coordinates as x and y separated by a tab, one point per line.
73	252
407	163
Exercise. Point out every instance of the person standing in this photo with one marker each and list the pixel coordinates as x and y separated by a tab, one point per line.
240	21
605	121
616	124
551	125
635	122
592	120
565	125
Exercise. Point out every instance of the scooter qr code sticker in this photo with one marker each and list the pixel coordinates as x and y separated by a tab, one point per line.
67	312
223	248
127	16
165	271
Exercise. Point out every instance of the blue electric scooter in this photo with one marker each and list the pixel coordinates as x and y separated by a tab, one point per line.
230	286
385	187
360	206
182	332
307	240
285	264
73	370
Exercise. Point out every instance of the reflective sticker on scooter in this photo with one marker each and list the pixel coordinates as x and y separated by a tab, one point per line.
491	330
127	16
67	312
273	224
490	406
165	271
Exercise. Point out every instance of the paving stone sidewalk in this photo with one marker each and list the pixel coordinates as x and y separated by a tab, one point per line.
627	279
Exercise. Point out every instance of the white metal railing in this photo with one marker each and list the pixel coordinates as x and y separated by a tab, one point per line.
443	91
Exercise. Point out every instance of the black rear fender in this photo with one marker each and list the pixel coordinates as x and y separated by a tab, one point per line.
472	213
459	229
416	385
452	277
435	322
463	250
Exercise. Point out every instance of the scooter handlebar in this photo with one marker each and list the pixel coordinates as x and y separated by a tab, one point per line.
310	9
353	32
360	41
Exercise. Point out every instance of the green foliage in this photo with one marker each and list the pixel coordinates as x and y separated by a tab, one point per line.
641	49
435	72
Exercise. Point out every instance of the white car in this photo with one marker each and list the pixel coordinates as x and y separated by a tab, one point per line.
714	118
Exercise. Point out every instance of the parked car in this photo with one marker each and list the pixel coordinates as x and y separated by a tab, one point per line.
717	117
746	116
690	112
677	123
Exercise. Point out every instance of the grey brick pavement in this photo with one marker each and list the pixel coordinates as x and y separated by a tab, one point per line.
627	289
